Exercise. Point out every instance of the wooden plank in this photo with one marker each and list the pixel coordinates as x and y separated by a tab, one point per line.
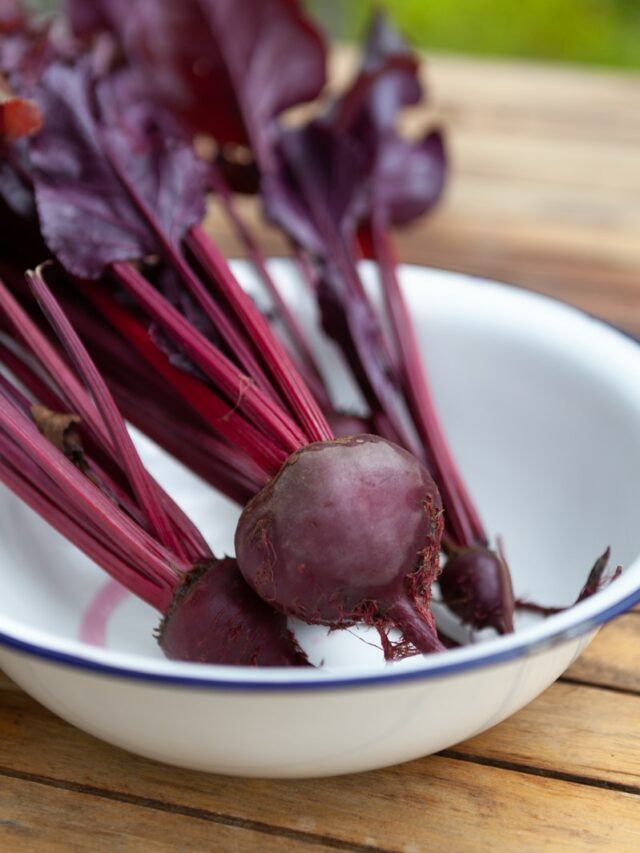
435	804
521	97
583	731
36	817
560	99
563	163
6	685
613	659
572	732
556	217
514	254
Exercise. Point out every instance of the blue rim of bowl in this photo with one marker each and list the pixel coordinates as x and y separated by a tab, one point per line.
585	626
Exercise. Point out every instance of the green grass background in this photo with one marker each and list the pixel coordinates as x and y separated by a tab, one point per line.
604	32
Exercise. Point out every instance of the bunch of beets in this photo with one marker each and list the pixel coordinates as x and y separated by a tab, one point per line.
118	122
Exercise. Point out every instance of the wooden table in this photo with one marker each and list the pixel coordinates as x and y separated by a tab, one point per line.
546	194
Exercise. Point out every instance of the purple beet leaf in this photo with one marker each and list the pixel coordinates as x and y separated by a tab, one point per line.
226	68
80	169
406	177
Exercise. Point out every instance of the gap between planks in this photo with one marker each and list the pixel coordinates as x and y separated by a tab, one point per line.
457	804
103	821
481	785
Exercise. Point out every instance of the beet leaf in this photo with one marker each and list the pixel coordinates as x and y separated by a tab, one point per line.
226	68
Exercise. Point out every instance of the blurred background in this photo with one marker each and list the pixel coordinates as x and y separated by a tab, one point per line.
606	32
603	32
540	103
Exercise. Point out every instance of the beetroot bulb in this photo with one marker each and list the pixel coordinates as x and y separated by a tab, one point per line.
477	587
348	531
216	617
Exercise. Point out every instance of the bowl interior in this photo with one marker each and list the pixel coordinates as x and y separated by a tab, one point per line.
541	405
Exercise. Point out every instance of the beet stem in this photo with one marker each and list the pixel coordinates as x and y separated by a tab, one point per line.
373	358
304	407
26	374
89	467
462	517
78	401
265	415
213	410
152	404
143	487
215	461
234	339
85	498
70	527
308	364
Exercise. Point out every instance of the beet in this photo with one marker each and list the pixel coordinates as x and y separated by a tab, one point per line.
476	585
348	531
216	617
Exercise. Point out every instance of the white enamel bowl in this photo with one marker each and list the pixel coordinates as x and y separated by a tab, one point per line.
542	407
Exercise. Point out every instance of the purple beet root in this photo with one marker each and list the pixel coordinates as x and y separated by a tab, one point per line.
348	531
476	585
217	618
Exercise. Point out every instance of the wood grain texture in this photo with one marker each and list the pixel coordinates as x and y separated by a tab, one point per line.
433	804
566	748
613	659
36	816
571	729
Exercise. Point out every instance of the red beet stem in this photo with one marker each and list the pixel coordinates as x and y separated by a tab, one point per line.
305	267
75	399
141	484
235	340
152	405
88	501
259	409
216	461
376	383
463	520
46	354
70	526
90	468
308	366
420	631
304	407
265	413
212	409
28	376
